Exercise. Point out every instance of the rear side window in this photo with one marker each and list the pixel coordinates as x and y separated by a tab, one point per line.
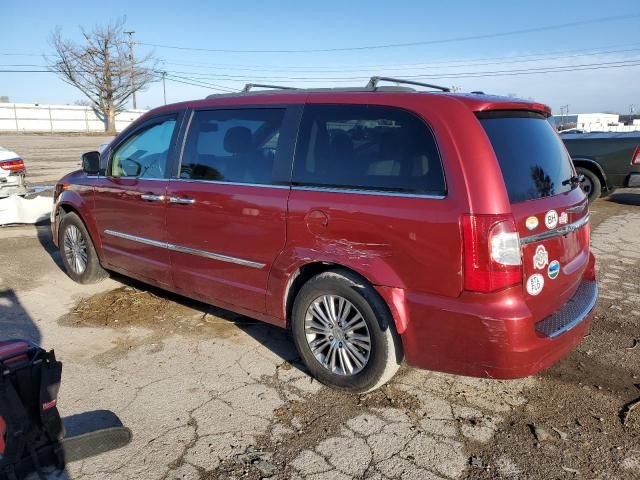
532	158
238	145
367	148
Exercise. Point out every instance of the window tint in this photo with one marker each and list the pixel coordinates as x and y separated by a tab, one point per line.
532	158
369	148
145	153
237	145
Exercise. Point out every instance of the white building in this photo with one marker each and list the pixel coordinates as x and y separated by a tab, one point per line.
594	122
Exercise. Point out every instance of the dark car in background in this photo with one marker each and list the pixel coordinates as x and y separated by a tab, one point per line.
607	160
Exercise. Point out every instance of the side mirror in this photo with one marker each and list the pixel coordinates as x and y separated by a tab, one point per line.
91	163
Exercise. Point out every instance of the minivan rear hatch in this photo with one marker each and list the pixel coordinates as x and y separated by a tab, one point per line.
549	208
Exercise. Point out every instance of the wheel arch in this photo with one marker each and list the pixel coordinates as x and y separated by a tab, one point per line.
593	166
309	270
68	204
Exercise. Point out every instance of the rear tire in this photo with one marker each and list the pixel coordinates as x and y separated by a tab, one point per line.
591	185
360	332
78	253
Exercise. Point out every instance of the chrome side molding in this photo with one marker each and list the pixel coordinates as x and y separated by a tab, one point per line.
187	250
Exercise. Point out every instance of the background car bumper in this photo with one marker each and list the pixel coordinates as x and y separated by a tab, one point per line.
12	185
633	180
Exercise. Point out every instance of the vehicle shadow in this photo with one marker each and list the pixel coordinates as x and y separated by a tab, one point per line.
15	322
276	339
43	230
625	197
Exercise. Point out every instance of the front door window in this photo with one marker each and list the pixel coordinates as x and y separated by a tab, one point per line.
144	155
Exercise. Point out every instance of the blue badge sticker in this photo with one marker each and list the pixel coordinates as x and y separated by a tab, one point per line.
554	269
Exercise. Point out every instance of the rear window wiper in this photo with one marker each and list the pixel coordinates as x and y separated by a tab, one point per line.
574	180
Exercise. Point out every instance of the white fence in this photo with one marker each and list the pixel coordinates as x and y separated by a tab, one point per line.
29	117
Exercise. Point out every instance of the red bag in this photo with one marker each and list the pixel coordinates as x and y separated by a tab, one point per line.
10	353
30	425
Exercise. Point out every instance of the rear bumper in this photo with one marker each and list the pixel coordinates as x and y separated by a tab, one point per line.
12	185
633	180
493	336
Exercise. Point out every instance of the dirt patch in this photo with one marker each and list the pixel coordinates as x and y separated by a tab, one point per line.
309	421
155	310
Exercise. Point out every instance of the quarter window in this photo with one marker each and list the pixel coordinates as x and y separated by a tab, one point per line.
238	145
145	153
368	148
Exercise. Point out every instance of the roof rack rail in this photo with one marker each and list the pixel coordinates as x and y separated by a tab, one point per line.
249	86
373	83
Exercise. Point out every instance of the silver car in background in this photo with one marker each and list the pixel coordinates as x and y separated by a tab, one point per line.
12	174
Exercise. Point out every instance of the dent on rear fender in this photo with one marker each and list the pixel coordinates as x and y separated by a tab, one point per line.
352	251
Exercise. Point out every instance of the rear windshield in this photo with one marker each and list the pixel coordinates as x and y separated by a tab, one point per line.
532	158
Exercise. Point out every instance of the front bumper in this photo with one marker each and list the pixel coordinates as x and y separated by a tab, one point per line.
493	336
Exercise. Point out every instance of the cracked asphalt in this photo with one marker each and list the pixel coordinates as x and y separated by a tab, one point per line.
214	395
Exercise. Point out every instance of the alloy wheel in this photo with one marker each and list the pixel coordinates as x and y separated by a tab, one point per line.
587	186
337	335
75	249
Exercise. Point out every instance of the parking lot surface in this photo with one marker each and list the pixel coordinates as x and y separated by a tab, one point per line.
209	394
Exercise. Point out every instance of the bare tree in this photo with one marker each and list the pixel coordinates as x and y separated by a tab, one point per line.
101	68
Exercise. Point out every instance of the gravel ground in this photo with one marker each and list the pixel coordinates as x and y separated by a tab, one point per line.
213	395
49	157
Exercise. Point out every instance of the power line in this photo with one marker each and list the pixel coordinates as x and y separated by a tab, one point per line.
522	58
21	54
198	83
407	44
363	77
409	66
202	78
413	66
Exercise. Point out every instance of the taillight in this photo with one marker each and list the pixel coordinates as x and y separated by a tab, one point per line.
492	257
14	165
636	156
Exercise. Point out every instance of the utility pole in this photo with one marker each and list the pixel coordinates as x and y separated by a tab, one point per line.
132	65
564	110
164	87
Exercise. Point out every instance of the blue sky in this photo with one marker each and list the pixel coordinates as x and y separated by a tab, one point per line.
297	25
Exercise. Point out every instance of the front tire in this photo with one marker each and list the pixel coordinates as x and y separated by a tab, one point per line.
344	332
78	253
591	185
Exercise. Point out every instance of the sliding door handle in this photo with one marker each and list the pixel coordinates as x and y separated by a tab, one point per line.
152	198
182	200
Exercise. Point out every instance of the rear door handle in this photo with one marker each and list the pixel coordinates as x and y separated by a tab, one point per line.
182	200
152	198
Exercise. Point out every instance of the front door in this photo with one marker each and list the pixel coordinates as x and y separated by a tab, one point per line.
130	202
226	213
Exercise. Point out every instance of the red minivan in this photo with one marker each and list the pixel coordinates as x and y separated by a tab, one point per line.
378	224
